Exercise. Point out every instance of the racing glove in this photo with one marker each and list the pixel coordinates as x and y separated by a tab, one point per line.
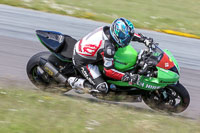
147	41
131	78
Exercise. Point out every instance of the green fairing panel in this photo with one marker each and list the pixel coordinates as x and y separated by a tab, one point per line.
145	83
172	58
167	76
125	58
164	77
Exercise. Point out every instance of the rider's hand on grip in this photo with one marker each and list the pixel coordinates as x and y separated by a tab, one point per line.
148	41
134	78
131	78
126	77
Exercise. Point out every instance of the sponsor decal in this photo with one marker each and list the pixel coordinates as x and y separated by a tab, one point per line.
152	87
164	70
147	85
87	76
140	84
48	71
88	49
167	64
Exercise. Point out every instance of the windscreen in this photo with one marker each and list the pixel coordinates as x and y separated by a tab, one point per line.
157	53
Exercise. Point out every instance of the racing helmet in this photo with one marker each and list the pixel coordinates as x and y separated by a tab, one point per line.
122	31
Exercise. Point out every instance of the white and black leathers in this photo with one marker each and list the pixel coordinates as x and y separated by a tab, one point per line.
98	45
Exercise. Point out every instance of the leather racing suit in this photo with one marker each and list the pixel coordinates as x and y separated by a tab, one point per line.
98	45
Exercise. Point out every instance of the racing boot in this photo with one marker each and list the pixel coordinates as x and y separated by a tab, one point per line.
77	84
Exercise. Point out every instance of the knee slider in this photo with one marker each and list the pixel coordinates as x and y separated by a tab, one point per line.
103	87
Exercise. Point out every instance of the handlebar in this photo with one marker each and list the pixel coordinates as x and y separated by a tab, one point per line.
150	46
143	62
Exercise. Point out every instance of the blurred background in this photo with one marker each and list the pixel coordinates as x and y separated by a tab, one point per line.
24	111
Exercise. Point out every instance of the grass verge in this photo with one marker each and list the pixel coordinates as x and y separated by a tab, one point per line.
29	111
177	15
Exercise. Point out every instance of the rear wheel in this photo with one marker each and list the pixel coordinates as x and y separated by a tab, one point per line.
42	81
173	98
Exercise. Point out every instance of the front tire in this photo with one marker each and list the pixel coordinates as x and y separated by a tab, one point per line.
173	98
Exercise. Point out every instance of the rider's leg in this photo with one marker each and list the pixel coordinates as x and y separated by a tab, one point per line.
93	75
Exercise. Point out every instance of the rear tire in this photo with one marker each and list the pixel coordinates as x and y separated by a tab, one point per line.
50	84
177	99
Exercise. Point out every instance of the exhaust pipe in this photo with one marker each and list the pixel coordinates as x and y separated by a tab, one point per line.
52	71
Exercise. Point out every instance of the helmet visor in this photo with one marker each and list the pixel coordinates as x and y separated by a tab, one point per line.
124	42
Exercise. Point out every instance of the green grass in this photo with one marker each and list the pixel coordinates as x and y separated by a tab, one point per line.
179	15
29	111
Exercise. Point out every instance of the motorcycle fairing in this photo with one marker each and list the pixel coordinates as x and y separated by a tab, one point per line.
167	76
166	73
68	48
165	62
145	83
54	41
60	45
173	59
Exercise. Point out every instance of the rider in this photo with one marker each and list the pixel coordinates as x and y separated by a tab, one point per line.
100	44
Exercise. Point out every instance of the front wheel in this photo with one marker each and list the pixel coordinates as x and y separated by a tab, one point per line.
173	98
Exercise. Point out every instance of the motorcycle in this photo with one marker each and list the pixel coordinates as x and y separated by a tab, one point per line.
158	86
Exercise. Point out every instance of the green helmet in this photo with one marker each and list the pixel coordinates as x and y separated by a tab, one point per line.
122	31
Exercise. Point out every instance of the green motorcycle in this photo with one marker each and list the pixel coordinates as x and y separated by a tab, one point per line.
158	85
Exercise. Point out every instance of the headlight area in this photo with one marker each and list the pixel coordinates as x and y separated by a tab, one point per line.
174	69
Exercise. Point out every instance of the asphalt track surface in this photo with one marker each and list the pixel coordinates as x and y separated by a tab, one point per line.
18	43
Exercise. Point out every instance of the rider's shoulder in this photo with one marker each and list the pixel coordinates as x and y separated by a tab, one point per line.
109	49
106	28
106	33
